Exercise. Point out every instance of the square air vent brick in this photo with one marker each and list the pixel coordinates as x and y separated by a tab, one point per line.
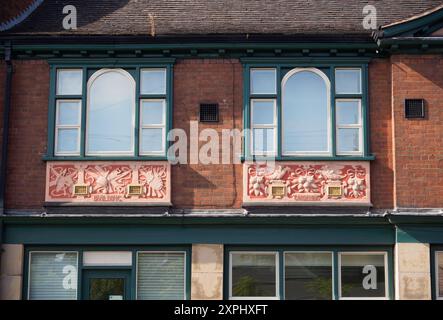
414	108
208	112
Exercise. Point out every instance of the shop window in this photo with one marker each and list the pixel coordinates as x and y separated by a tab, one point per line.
161	275
438	273
308	276
317	274
363	275
53	275
254	275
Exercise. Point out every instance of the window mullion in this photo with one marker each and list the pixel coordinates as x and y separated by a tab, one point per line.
333	123
137	120
278	112
83	112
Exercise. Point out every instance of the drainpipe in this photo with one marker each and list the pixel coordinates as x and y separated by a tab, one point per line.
6	109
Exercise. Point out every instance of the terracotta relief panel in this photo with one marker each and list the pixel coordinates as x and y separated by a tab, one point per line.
310	182
121	181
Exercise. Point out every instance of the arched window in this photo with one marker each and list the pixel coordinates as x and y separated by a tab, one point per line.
305	112
110	113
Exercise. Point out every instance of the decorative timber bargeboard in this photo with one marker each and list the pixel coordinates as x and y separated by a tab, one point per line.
316	183
108	182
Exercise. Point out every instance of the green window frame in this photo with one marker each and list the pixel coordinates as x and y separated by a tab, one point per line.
436	275
89	67
135	250
336	251
327	66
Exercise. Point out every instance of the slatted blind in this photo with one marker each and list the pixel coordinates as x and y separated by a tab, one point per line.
161	276
53	276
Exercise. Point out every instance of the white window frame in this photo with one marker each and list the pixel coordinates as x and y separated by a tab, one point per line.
155	93
309	252
264	126
325	78
385	255
162	251
437	295
57	86
66	126
52	251
277	275
89	84
152	126
358	126
263	93
361	84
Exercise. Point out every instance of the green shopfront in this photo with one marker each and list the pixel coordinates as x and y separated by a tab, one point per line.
161	258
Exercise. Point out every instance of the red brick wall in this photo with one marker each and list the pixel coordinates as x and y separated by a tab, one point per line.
418	143
27	135
197	81
381	133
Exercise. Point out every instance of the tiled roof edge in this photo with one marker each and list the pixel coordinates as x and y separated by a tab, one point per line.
421	15
21	17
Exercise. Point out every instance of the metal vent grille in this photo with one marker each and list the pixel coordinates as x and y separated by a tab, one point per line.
208	112
414	108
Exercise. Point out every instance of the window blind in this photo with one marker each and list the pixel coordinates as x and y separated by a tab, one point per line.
161	276
53	276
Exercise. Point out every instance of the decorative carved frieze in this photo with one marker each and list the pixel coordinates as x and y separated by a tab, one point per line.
108	182
307	183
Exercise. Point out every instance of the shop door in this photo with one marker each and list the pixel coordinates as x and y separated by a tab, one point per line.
106	285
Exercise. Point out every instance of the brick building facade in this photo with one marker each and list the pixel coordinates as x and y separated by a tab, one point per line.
362	213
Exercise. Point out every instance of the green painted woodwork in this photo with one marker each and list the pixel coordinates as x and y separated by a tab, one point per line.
229	230
89	66
87	275
328	66
131	269
417	24
132	233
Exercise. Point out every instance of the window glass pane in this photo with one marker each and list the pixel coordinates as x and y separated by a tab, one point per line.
153	81
363	275
161	276
348	140
68	113
152	112
53	276
439	259
106	288
67	140
305	113
152	140
263	112
308	276
69	82
348	81
111	114
348	112
253	275
263	81
263	141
